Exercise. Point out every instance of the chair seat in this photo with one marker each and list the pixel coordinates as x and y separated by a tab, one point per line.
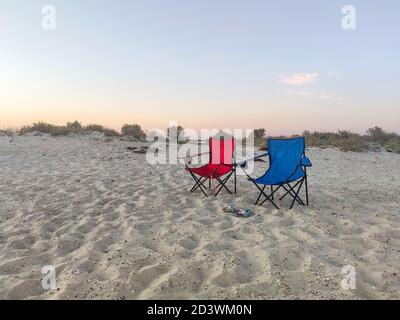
208	170
272	178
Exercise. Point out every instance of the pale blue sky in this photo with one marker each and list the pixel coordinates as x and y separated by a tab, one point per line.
195	61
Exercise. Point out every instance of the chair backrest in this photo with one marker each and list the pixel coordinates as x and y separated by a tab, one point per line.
285	155
221	150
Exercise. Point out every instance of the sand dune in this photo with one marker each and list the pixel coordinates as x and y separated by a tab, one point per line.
116	227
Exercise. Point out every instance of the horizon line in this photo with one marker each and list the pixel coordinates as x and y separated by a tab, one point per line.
147	130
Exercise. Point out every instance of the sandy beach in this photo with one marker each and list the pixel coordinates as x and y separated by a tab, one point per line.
116	227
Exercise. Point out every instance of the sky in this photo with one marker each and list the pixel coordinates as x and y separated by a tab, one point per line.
286	65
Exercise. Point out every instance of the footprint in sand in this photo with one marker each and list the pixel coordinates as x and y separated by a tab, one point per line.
189	244
25	289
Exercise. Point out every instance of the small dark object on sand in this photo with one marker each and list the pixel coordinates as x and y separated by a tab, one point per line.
137	150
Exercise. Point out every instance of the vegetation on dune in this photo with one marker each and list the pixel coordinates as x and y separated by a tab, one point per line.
74	127
44	127
259	136
348	141
133	130
393	144
71	128
344	140
99	128
177	133
8	132
374	139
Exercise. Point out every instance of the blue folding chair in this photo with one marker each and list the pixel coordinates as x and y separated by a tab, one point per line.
287	170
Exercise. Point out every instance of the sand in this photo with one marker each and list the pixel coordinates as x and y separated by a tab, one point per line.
116	227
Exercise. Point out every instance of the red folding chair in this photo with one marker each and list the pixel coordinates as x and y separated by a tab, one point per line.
221	166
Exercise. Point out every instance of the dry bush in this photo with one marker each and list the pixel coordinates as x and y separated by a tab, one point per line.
99	128
70	128
378	136
394	144
7	132
348	141
259	137
353	143
319	139
133	130
43	127
343	139
74	127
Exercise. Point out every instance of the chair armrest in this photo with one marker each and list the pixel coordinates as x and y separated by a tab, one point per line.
306	162
243	163
188	158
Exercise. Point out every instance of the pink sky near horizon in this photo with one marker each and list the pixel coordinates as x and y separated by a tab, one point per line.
272	124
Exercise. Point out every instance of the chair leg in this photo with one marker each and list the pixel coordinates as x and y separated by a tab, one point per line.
290	189
296	194
259	196
272	192
262	192
222	184
306	185
292	192
268	198
198	184
234	177
195	186
201	188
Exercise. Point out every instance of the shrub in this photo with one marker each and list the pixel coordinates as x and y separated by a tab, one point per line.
74	127
318	139
59	131
344	134
178	132
133	130
259	137
394	144
71	127
352	142
377	135
259	133
7	132
343	139
40	126
99	128
44	127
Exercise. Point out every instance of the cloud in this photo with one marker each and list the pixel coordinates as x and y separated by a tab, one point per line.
299	79
325	96
335	74
312	94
